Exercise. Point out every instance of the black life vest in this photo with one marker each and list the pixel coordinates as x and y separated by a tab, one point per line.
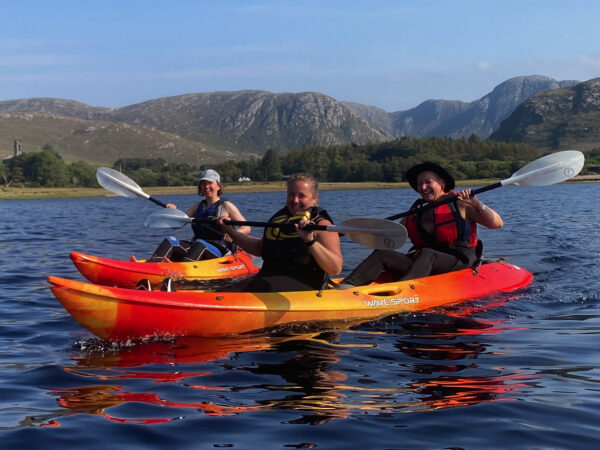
285	253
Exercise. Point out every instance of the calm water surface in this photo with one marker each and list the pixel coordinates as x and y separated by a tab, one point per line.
518	371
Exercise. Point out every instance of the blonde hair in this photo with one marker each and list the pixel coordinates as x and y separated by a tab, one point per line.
307	177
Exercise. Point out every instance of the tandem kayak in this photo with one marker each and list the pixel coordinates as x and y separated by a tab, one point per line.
126	274
121	314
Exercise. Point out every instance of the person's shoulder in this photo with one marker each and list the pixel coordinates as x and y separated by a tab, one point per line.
322	214
228	204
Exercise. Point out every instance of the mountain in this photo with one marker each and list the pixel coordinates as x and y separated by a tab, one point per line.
460	119
377	117
425	119
54	106
253	121
99	142
216	126
568	117
243	122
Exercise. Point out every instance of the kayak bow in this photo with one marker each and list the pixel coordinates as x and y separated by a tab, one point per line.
126	274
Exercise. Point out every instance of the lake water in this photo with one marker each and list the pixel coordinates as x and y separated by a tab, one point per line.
512	371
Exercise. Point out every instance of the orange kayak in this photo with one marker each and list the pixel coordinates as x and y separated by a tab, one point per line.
121	314
126	274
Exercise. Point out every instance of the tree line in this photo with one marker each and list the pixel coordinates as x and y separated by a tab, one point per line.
385	162
465	159
47	169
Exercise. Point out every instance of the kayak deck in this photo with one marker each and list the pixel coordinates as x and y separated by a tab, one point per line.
126	274
121	314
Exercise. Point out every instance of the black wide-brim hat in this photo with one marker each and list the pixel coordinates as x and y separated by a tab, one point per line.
413	173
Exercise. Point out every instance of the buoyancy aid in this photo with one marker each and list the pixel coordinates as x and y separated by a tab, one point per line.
285	253
209	231
443	228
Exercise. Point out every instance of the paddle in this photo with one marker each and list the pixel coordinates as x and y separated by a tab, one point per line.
549	169
122	185
370	233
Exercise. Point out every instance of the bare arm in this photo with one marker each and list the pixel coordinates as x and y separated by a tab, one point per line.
233	213
192	209
476	211
251	244
326	248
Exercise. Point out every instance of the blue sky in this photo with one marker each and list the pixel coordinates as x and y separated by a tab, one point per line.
390	54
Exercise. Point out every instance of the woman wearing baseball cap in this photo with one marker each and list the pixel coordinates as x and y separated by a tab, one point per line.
209	240
444	237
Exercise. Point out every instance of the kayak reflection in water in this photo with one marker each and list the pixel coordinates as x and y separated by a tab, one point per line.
294	258
209	240
444	237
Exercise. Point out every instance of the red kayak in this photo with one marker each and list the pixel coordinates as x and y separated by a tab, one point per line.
126	274
121	314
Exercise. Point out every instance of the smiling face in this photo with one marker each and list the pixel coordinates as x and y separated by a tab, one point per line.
430	185
300	196
209	189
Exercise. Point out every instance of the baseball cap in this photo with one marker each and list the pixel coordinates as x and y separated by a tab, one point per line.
210	175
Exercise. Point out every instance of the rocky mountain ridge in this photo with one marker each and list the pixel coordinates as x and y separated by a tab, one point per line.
224	125
568	117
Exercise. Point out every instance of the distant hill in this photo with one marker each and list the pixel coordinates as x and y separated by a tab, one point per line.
436	118
253	121
98	142
242	123
563	118
427	118
217	126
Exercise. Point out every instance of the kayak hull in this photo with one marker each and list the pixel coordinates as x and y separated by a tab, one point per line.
121	314
126	274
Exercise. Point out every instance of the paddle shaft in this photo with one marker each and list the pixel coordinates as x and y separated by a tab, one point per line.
448	199
158	202
269	224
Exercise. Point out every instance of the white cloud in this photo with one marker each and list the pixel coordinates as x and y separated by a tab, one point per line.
483	65
591	60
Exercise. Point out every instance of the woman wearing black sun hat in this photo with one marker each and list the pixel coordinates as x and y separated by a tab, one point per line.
444	238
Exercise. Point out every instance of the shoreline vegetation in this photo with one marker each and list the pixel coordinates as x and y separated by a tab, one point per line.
26	193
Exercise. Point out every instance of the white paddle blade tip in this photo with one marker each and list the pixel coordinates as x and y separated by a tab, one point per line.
377	242
117	183
379	234
550	169
167	218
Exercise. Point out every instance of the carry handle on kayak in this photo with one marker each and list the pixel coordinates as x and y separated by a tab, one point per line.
549	169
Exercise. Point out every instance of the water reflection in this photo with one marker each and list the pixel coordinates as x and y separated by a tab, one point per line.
323	376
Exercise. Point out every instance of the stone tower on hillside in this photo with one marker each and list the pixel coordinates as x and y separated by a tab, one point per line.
17	148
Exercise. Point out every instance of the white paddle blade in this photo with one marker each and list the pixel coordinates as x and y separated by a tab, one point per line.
167	218
374	233
114	181
376	242
550	169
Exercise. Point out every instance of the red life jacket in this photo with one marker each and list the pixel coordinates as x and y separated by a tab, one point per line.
449	232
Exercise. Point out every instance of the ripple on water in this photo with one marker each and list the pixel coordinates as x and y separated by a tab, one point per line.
516	370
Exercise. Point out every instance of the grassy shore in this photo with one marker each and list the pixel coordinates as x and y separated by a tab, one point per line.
24	193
